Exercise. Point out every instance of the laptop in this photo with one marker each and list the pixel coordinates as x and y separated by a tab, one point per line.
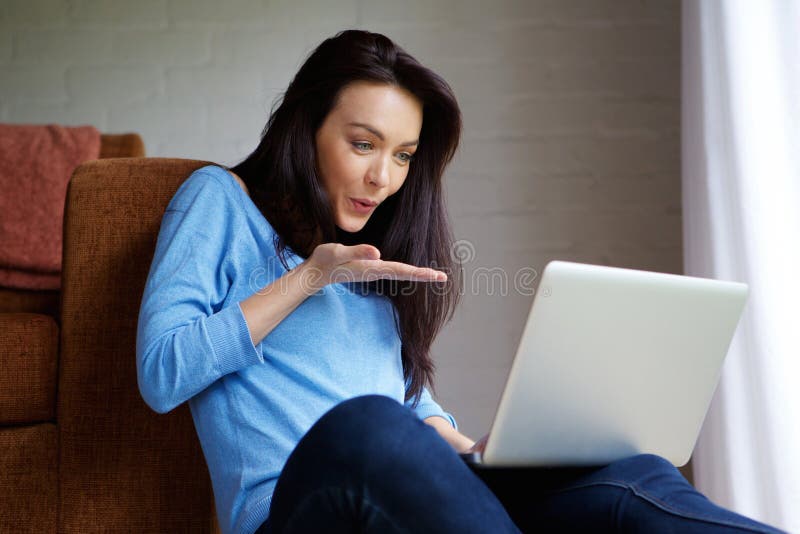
612	362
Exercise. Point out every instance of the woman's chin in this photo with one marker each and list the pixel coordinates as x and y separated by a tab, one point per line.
351	226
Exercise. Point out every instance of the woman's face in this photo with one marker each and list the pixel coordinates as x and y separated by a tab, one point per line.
364	148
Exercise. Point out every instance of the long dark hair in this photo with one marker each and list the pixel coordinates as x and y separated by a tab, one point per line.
410	226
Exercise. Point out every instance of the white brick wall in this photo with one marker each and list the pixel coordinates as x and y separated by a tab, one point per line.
571	109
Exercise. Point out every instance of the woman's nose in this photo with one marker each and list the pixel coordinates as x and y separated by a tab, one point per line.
378	173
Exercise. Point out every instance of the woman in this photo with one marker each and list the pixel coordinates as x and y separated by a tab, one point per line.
276	303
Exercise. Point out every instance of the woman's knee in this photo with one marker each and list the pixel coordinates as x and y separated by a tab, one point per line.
364	427
367	407
644	464
648	470
363	415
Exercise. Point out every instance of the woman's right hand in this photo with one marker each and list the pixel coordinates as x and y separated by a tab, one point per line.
333	262
328	263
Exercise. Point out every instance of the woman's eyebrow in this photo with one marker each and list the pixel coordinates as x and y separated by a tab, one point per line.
379	134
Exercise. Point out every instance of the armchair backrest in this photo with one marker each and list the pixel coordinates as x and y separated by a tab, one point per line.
122	467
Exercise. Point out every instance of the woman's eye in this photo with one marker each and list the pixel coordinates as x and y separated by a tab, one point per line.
362	145
405	156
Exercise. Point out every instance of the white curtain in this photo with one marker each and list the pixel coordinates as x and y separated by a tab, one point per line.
741	212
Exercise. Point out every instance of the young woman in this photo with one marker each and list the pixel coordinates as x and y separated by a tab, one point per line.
293	300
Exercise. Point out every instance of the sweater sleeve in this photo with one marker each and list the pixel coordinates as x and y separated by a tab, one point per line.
428	407
185	340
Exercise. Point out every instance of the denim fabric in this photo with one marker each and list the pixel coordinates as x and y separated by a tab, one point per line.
370	465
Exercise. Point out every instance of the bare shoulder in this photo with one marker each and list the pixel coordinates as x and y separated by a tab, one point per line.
241	182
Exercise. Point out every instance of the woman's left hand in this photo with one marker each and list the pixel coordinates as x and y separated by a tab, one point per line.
479	445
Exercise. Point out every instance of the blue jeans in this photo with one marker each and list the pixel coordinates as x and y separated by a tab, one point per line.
370	465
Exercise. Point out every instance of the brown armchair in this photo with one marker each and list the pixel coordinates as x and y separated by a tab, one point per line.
88	455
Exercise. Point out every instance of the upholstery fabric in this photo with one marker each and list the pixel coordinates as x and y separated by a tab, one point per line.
122	467
29	359
28	482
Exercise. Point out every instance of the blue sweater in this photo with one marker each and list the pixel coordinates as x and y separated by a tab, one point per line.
252	404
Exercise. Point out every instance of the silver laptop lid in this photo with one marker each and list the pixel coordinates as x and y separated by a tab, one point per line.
613	362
